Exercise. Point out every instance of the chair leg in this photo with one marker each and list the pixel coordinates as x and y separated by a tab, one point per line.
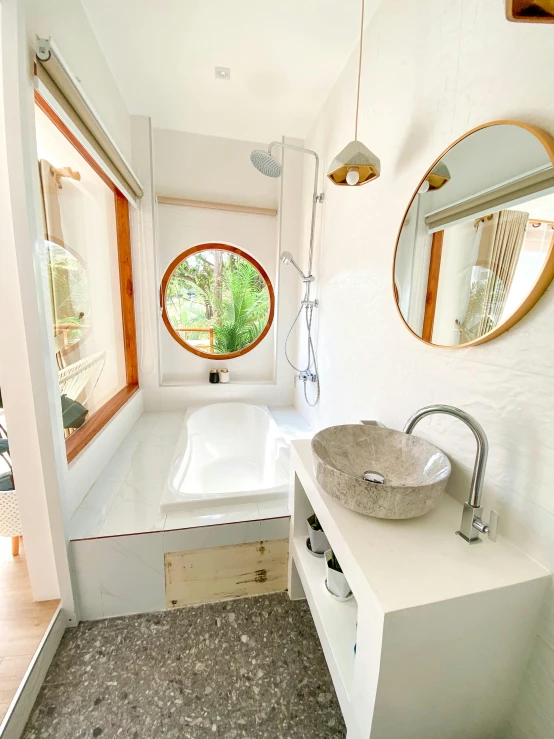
15	546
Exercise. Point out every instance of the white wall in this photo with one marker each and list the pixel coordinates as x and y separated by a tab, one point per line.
85	469
208	168
66	23
214	169
432	70
189	165
181	228
32	406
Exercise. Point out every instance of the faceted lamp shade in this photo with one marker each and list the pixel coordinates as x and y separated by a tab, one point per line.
354	158
530	11
438	176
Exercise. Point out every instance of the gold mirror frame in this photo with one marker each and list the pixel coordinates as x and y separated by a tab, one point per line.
543	280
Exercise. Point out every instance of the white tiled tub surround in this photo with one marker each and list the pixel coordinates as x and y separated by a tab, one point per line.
119	575
119	537
126	497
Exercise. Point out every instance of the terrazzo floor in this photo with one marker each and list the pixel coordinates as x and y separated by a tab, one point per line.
245	668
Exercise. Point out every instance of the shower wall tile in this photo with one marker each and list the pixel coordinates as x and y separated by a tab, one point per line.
261	394
131	574
168	422
274	528
533	716
546	623
132	518
207	537
274	508
212	516
91	514
167	398
88	466
85	578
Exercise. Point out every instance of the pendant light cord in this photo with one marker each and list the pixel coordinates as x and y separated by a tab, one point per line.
359	71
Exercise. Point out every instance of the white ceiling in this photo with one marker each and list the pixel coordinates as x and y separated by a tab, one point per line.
284	55
539	207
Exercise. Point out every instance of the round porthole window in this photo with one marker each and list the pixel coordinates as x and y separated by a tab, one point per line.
217	301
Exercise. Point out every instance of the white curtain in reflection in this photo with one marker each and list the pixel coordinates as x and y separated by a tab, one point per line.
500	247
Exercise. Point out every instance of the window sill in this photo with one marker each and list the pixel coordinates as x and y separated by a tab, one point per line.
79	439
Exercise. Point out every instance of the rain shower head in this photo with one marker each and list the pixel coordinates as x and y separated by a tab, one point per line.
265	163
270	167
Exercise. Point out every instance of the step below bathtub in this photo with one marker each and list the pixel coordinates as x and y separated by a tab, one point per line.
227	453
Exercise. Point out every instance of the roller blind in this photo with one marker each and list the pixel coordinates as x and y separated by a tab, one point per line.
54	74
494	199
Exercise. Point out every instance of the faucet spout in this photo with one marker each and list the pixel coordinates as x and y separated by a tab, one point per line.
472	522
480	437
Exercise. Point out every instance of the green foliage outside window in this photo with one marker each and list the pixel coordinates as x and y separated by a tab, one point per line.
217	290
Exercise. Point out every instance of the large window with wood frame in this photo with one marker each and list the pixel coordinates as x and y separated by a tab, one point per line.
217	301
87	269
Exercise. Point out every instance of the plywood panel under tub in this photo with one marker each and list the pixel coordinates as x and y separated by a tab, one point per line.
222	573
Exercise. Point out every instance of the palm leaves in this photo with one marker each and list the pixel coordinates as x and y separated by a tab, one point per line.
241	312
69	289
232	299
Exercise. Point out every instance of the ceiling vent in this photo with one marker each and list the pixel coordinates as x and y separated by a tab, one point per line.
223	73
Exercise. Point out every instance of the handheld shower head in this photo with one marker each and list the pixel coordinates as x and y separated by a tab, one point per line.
287	258
265	163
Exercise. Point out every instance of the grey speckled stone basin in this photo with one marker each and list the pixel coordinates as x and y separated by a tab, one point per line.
415	471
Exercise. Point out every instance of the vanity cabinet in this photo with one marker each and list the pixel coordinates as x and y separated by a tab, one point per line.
435	640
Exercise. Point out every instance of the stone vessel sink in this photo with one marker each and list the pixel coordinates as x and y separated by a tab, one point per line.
415	472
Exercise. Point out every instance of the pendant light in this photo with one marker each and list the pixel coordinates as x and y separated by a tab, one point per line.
356	164
438	177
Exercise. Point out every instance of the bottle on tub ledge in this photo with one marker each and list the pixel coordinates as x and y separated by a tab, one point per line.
224	375
214	376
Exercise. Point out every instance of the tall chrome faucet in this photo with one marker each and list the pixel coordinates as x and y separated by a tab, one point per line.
472	523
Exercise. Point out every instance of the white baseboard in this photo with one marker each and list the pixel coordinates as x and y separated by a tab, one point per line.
21	706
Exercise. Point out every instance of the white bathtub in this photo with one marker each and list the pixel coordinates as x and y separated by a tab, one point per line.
227	453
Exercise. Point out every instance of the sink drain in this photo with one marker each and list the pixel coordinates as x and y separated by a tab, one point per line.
375	477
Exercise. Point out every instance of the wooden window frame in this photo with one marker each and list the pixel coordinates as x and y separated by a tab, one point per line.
78	440
432	285
233	250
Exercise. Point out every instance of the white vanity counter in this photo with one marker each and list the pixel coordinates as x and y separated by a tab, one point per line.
442	629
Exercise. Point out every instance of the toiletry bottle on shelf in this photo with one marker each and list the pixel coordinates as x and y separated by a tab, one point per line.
224	375
214	376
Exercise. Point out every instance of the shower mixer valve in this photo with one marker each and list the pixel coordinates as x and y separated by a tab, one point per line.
306	376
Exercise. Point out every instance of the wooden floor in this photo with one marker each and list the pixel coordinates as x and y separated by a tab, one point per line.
22	622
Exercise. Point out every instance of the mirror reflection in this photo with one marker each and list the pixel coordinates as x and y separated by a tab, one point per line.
477	237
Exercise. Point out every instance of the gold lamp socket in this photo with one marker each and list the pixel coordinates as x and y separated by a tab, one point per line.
354	157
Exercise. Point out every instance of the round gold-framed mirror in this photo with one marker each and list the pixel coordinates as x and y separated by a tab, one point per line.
475	250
